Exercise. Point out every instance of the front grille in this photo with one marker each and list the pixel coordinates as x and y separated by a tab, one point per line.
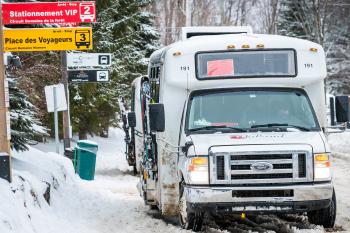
262	176
262	167
283	166
220	167
261	157
302	165
263	193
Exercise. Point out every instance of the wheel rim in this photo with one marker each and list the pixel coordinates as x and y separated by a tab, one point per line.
183	210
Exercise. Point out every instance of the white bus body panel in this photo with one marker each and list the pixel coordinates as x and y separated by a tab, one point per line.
139	148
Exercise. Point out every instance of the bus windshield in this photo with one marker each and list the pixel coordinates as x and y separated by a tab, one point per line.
262	63
251	110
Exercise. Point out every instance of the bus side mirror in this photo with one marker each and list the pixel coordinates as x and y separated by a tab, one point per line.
156	117
342	108
132	119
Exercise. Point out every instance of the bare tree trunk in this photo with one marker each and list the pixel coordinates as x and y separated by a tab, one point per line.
273	19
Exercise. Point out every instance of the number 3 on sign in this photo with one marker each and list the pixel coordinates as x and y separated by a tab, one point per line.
82	38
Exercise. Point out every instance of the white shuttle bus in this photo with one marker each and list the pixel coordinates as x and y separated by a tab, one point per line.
233	122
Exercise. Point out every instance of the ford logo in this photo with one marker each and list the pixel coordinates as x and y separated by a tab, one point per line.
261	166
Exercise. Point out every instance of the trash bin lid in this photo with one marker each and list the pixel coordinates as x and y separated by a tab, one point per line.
87	143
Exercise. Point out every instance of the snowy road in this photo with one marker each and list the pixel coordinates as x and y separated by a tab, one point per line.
111	203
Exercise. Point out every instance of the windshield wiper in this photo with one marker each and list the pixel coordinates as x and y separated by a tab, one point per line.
272	125
217	127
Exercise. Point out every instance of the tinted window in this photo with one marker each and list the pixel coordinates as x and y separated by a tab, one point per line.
246	63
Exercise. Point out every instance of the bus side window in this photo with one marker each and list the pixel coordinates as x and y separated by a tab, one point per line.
133	89
155	82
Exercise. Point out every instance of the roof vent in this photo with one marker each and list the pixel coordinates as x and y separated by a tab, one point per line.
188	32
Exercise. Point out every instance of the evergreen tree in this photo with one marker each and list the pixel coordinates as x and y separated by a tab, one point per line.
24	124
126	31
292	20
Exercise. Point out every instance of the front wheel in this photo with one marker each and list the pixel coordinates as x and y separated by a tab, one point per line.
326	216
189	220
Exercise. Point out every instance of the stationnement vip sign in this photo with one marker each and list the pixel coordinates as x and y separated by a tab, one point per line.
47	39
48	12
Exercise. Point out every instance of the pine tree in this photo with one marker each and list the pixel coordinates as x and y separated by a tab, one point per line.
291	20
24	124
127	32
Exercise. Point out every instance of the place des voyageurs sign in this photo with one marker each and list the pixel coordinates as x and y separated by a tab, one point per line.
48	39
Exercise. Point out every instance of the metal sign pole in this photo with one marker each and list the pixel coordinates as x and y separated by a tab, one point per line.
56	120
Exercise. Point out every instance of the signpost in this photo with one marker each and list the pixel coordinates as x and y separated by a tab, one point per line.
53	39
83	76
5	133
49	12
56	101
88	61
47	39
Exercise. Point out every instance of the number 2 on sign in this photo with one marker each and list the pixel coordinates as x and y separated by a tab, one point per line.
87	10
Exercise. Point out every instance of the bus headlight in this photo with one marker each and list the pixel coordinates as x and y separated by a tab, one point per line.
322	167
198	170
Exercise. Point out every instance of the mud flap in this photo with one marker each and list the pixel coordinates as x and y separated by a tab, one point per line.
169	194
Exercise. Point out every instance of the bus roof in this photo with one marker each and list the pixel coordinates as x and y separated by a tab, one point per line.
307	52
221	42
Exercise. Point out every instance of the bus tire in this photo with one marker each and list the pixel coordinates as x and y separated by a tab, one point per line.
324	217
189	220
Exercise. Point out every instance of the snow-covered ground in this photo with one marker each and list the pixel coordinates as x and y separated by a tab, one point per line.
340	145
111	203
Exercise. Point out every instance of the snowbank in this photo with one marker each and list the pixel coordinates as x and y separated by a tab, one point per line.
340	144
25	203
47	197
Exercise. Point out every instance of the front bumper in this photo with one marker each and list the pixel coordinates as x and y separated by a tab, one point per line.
302	198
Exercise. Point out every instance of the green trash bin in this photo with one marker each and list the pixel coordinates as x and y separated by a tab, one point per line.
85	158
89	145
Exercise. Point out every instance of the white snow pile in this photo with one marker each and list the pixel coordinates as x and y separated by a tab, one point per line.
47	197
340	144
25	203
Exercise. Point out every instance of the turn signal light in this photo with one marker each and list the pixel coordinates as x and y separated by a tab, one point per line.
260	46
231	46
322	160
321	157
245	46
197	163
145	175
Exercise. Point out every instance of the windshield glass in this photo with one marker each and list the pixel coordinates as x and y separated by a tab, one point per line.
251	109
246	64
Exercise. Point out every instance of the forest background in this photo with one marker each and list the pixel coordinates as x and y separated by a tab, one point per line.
132	29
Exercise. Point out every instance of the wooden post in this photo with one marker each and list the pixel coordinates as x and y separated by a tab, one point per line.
4	101
66	114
